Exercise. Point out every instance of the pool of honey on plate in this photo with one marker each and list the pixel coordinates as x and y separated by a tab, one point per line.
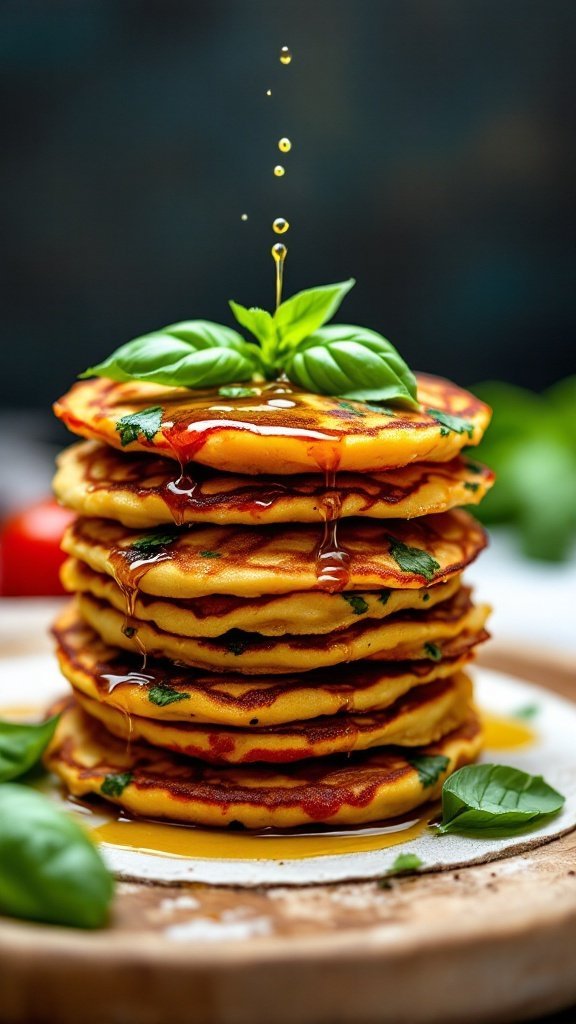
106	825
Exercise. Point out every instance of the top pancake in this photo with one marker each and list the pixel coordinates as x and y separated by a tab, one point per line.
141	490
281	430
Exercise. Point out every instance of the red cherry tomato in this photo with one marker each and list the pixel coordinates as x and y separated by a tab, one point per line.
30	555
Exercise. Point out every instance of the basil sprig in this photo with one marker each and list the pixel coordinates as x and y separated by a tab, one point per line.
495	800
22	746
192	354
49	869
352	362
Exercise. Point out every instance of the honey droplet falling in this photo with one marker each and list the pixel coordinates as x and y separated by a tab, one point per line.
279	171
280	225
284	145
279	253
285	55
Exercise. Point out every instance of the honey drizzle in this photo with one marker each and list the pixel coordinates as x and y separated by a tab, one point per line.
266	844
332	561
129	566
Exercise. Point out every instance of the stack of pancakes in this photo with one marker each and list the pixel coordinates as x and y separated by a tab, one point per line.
269	624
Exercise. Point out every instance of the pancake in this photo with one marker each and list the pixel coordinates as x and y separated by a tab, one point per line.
163	691
141	491
344	789
201	561
280	430
405	636
308	612
421	717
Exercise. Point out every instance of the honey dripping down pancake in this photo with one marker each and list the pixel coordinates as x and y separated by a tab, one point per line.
404	636
280	430
420	717
343	789
165	692
354	554
143	491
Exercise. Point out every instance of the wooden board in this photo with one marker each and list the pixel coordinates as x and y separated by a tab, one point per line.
490	943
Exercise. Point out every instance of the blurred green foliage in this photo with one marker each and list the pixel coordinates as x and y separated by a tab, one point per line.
531	444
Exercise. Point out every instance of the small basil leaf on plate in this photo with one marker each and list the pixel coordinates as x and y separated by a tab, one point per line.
49	869
22	746
496	800
355	363
302	314
163	695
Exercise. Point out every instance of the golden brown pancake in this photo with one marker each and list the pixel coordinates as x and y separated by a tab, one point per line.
143	491
281	430
421	717
405	636
344	789
163	691
308	612
201	560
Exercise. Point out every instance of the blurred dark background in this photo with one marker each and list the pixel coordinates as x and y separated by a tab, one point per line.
433	159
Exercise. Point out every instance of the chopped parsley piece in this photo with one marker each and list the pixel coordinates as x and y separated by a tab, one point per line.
129	631
527	712
236	392
152	541
405	863
357	603
413	560
426	596
210	554
428	766
471	487
450	423
473	467
162	695
237	644
145	423
384	596
384	409
114	785
352	409
433	651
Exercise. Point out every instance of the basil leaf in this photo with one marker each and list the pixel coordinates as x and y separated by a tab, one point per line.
428	766
352	362
433	651
454	424
193	354
240	392
114	785
302	314
145	423
358	604
495	800
49	869
412	559
405	863
163	695
152	541
527	712
259	322
22	746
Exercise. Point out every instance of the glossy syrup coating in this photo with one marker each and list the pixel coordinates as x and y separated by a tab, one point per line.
279	430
